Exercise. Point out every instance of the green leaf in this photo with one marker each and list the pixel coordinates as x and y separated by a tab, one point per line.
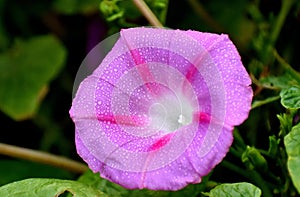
111	9
48	188
286	122
292	145
235	190
25	71
125	12
278	82
290	97
253	159
273	146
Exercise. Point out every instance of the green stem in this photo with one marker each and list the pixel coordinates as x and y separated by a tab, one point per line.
285	8
282	162
264	152
251	175
287	68
235	169
276	28
146	11
256	104
238	139
235	153
42	157
261	183
239	145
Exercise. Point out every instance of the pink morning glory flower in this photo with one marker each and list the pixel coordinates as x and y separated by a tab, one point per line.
159	110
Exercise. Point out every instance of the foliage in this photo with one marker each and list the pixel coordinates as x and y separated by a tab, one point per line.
290	97
292	145
48	187
42	44
27	67
235	190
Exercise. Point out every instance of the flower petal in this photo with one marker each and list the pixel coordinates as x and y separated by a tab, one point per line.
236	79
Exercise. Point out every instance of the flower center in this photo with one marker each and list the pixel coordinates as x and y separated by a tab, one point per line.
170	113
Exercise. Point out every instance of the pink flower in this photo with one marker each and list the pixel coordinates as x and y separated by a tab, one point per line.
159	111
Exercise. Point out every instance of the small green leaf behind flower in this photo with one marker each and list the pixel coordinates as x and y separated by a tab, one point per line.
254	160
278	82
235	190
124	13
286	122
111	10
290	97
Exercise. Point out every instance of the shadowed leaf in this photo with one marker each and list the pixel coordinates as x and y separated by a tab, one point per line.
25	71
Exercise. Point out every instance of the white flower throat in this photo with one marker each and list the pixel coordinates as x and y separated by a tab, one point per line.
170	113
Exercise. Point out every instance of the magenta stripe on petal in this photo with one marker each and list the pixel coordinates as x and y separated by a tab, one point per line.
159	111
